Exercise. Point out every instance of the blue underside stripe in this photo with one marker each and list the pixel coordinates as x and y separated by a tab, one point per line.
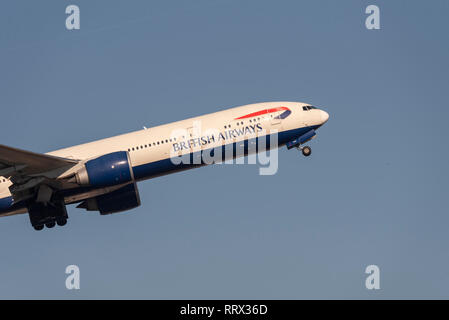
166	166
5	204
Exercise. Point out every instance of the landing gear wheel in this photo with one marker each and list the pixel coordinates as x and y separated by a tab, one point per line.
306	151
50	224
61	222
38	228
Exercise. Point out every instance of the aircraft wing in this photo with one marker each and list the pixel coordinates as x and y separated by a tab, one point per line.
17	162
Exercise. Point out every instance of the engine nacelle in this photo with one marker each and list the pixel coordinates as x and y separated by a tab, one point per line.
122	199
107	170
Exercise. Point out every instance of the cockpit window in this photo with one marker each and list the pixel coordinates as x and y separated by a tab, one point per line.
305	108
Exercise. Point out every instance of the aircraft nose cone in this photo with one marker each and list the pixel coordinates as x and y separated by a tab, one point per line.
324	116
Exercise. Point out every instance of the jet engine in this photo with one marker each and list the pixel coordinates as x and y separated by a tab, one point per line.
107	170
122	199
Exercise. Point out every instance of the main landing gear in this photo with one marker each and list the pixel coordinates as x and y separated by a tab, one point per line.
47	214
306	150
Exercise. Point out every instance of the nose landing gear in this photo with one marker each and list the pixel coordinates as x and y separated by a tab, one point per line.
306	151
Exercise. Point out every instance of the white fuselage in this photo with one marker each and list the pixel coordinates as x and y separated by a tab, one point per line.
157	144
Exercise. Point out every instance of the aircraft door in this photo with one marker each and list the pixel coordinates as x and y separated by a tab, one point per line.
275	122
193	140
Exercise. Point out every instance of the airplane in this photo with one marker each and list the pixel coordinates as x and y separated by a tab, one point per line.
102	175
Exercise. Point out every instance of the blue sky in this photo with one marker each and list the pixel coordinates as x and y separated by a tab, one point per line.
374	190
